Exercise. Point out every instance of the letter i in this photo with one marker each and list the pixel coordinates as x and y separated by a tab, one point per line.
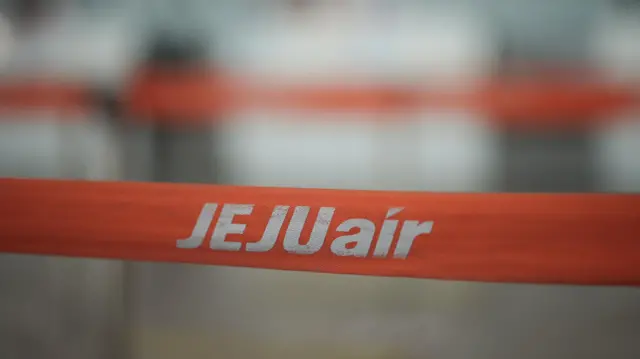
383	245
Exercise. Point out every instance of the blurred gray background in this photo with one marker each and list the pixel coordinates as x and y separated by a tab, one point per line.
81	308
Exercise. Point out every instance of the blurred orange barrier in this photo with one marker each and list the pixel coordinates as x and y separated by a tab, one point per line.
61	98
572	238
198	96
201	95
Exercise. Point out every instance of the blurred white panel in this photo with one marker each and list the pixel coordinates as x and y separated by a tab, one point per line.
615	49
104	51
95	147
443	151
437	47
442	49
69	45
616	52
311	44
459	152
73	45
38	145
30	147
307	45
419	46
299	150
617	146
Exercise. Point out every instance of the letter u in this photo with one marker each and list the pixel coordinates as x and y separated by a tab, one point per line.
318	233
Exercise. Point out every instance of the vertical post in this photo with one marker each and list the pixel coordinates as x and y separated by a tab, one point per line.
543	159
178	153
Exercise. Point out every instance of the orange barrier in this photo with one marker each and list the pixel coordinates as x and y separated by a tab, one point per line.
64	99
572	238
201	95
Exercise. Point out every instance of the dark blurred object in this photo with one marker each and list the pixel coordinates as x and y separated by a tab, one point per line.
544	161
27	14
172	51
627	4
178	154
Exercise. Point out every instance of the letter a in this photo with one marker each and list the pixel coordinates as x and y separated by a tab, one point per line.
200	229
362	239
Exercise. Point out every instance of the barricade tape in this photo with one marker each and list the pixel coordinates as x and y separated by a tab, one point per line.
61	98
196	96
589	239
200	96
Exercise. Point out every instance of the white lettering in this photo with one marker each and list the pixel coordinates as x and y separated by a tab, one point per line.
410	230
362	239
318	233
272	231
387	232
226	226
353	243
200	229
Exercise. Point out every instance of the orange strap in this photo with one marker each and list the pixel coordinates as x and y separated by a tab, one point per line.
201	95
68	100
572	238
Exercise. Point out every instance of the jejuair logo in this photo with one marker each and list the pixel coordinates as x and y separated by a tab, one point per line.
356	244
